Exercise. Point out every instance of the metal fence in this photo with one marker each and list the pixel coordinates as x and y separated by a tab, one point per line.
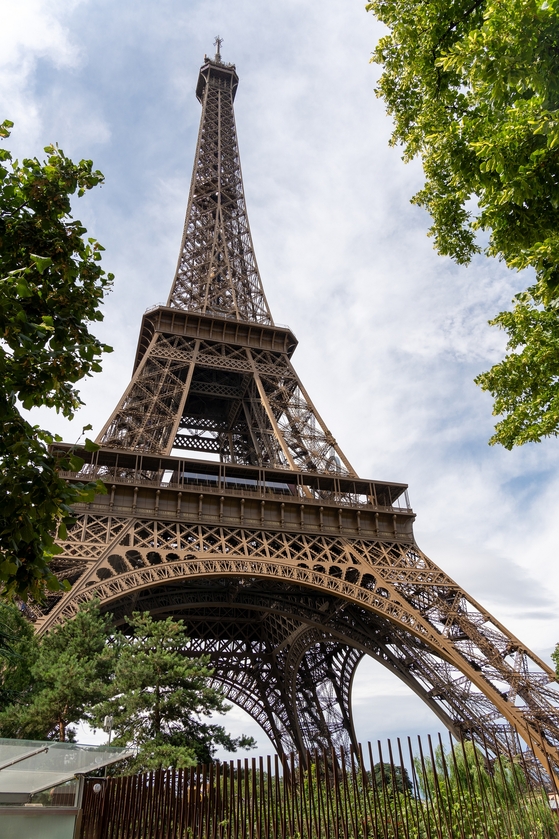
429	790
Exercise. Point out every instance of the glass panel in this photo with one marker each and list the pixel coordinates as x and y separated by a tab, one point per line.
64	795
13	749
57	763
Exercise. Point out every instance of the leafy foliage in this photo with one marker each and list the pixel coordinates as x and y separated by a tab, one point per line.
158	694
555	657
473	88
392	779
483	799
51	287
85	670
68	671
525	383
18	653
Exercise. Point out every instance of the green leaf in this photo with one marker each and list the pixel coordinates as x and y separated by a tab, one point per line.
76	463
23	289
52	583
42	262
5	128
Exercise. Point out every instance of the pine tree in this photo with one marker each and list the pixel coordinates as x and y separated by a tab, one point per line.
18	653
68	672
159	694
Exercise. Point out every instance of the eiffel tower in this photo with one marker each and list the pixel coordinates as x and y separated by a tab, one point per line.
231	505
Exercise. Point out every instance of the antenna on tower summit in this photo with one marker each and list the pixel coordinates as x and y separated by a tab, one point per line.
217	44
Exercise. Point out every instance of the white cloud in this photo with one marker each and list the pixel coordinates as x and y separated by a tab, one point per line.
31	31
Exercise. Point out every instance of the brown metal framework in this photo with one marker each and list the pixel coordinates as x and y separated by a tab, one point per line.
286	567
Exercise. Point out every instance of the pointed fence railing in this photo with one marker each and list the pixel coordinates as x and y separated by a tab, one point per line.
433	789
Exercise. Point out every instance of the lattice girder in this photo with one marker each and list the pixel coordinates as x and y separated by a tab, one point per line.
246	405
299	713
217	271
315	666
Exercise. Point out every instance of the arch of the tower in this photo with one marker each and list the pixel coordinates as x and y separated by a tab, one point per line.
285	653
287	615
289	672
285	642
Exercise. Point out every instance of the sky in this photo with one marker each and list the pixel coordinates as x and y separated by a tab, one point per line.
391	335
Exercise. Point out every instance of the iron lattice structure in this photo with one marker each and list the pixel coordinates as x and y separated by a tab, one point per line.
286	567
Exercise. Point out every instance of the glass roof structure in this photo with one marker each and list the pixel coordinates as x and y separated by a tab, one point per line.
31	766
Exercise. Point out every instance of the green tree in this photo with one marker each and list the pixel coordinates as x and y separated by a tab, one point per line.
392	778
473	88
475	796
158	695
17	655
67	672
555	657
51	287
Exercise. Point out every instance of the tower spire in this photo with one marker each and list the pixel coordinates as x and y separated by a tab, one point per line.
217	273
217	44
